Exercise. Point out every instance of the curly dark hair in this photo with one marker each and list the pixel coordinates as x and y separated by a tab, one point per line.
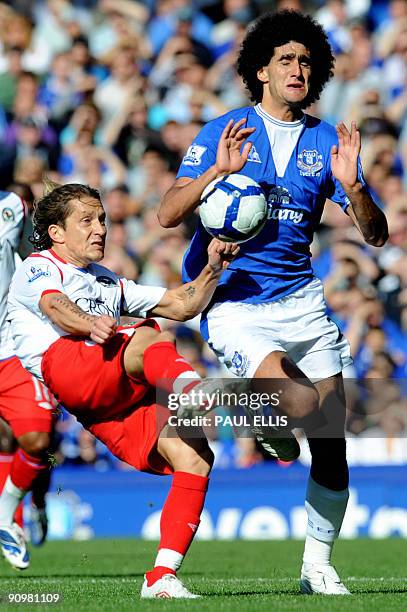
54	208
277	29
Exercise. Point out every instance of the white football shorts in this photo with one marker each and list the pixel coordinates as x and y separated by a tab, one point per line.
242	335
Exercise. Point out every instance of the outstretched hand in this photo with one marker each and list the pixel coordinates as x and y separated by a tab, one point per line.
344	156
220	254
229	158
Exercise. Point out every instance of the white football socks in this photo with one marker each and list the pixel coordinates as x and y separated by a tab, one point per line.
326	510
9	500
169	558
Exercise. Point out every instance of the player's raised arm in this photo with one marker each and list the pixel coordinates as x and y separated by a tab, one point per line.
182	198
190	299
72	319
366	215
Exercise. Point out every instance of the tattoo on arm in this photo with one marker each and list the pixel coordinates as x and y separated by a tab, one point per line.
67	304
190	292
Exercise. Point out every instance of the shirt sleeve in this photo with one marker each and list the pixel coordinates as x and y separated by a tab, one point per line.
137	300
201	154
13	215
36	277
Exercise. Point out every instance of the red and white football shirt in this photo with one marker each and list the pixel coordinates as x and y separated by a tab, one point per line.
95	289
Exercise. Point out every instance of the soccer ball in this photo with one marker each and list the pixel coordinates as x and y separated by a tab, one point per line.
233	208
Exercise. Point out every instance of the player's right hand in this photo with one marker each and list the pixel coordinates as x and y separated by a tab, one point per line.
229	158
220	254
103	328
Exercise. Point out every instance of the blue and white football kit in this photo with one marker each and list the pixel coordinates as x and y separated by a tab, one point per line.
269	299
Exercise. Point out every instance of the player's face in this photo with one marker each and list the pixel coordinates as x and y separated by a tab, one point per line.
85	232
287	75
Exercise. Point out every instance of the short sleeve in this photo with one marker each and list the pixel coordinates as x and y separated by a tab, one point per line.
36	277
139	299
201	154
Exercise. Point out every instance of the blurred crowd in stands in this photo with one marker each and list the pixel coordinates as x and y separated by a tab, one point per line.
112	92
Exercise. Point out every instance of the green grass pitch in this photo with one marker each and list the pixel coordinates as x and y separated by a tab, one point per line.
232	576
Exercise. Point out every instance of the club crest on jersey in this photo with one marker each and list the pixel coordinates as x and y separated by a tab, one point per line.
36	272
309	162
193	156
240	364
7	214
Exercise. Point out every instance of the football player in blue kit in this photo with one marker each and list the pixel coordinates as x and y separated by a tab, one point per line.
267	319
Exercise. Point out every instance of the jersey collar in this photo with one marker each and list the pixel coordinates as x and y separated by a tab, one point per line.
285	124
52	252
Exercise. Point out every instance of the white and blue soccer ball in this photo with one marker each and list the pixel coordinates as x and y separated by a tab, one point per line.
233	208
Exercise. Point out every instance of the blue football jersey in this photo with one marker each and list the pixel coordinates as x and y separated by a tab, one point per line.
277	261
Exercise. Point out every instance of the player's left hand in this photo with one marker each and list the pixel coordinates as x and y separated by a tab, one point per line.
344	156
220	254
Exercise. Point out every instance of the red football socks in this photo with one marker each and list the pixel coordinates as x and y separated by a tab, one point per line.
157	573
180	519
163	365
25	469
182	511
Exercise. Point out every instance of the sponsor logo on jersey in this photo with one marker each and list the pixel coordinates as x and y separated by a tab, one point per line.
7	214
96	306
278	198
240	363
285	214
36	272
253	155
278	195
309	162
194	155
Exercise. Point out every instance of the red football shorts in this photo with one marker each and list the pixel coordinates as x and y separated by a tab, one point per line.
133	437
90	381
25	403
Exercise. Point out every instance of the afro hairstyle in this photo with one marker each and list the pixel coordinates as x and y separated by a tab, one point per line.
274	30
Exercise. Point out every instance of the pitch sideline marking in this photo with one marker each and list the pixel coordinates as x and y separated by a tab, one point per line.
197	579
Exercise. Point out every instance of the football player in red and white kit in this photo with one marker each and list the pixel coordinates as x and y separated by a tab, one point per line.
64	310
25	402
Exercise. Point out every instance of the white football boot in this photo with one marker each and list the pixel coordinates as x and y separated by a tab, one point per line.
322	580
167	587
13	546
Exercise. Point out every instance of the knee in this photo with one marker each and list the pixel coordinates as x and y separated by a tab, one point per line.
193	456
35	443
156	337
146	339
165	336
299	402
